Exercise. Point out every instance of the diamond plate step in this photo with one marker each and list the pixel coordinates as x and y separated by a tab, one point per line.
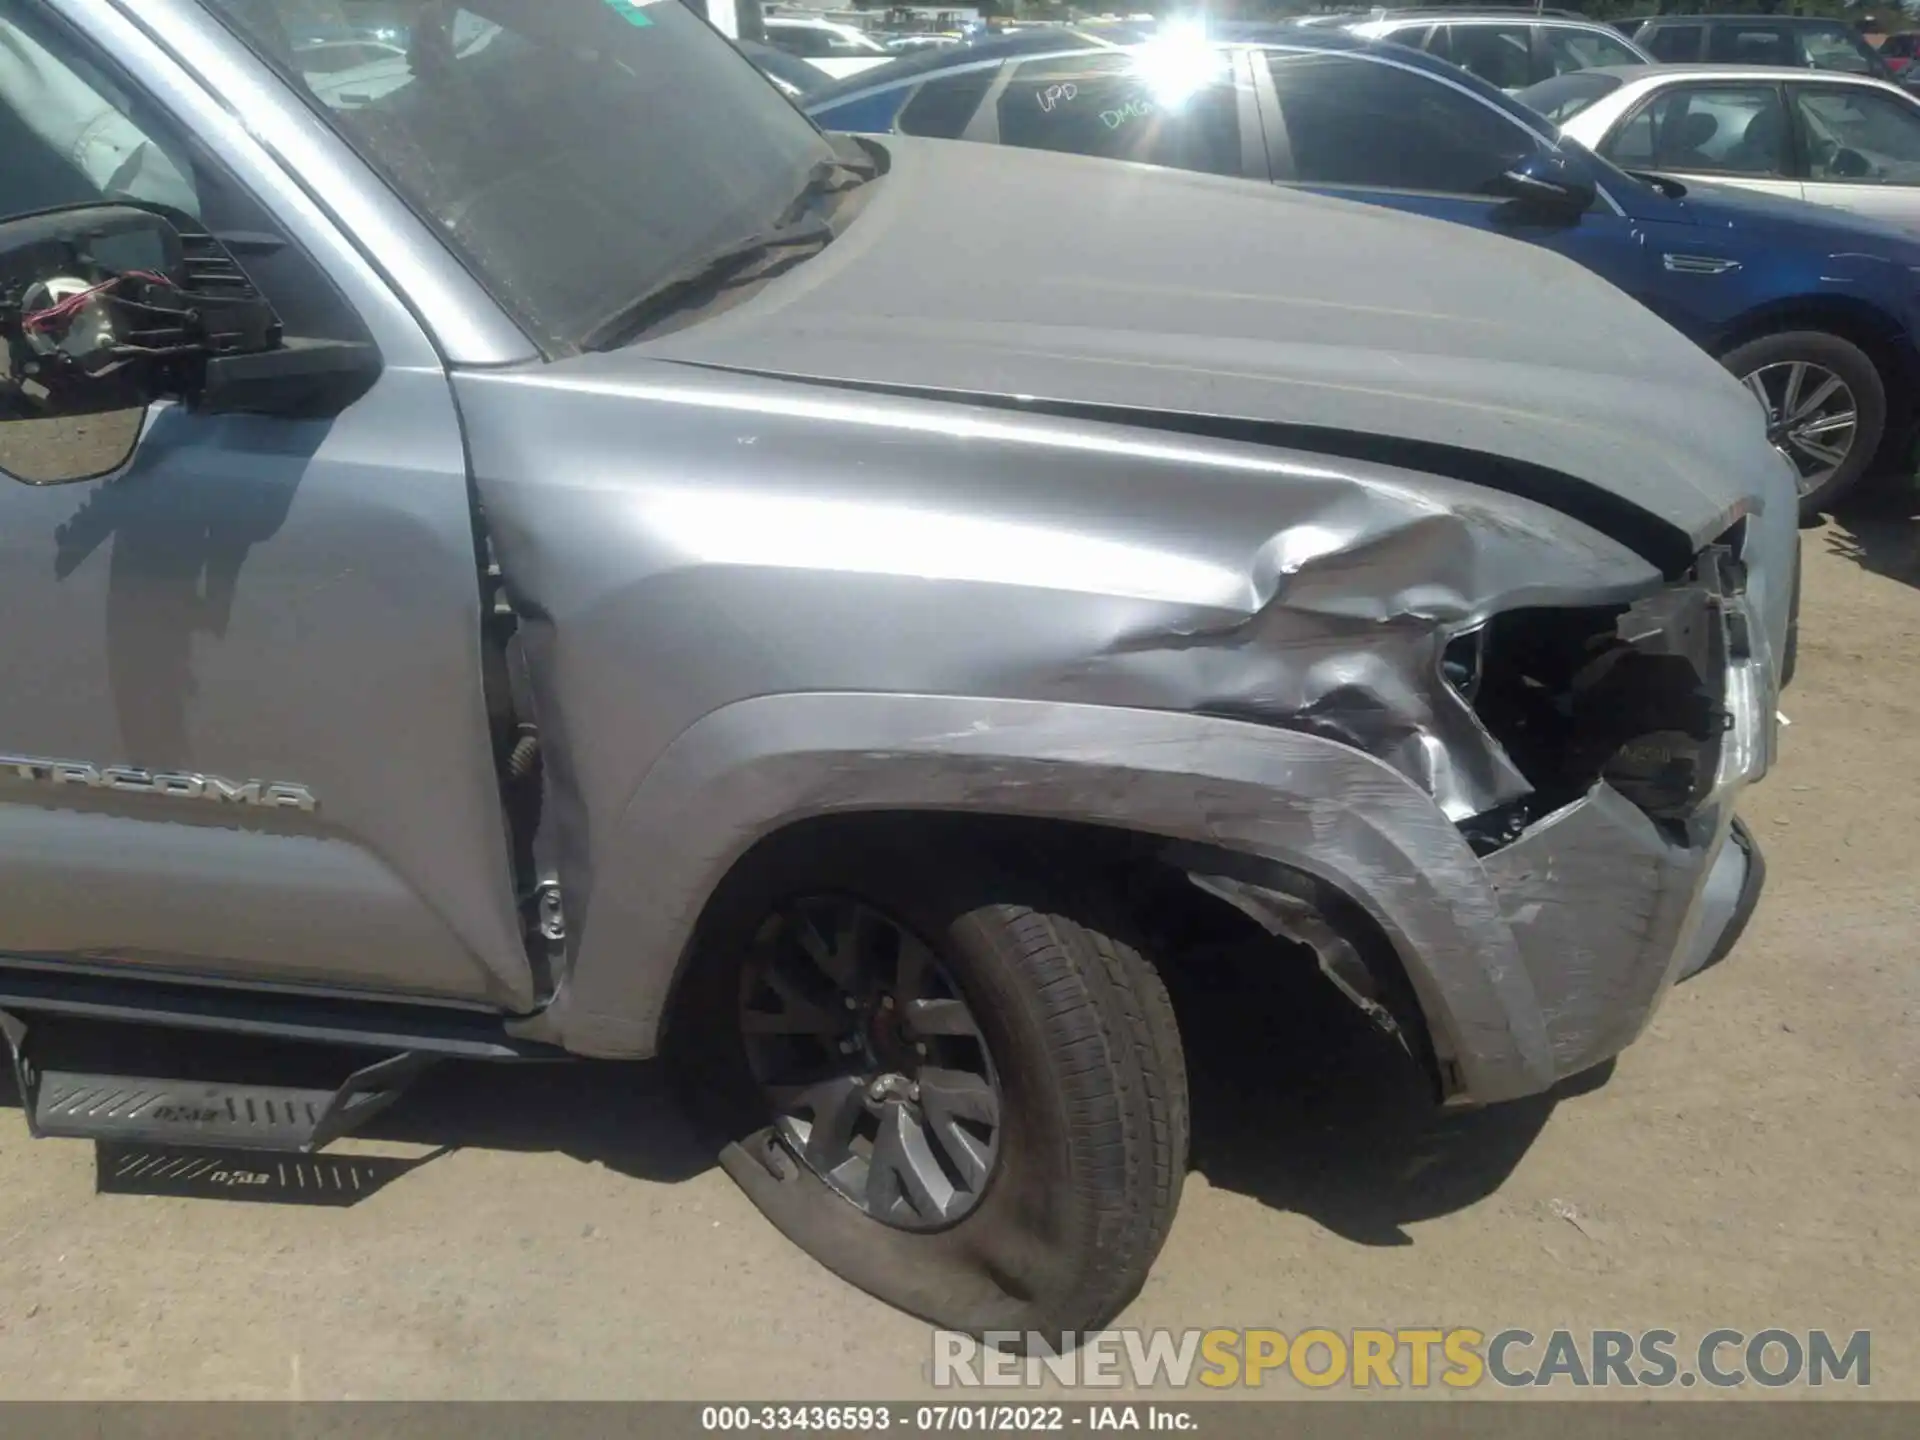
209	1114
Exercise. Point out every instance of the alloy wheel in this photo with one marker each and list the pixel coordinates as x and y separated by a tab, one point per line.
1812	417
871	1060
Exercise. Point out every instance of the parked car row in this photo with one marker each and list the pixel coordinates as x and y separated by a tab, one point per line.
1804	41
1813	309
1834	139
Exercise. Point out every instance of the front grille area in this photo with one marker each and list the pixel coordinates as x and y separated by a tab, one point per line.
1635	695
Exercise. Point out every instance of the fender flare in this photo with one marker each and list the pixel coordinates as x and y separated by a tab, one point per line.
754	766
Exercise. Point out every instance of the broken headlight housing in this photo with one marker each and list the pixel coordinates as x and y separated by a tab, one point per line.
1641	696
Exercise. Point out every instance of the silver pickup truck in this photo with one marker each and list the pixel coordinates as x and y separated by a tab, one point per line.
539	551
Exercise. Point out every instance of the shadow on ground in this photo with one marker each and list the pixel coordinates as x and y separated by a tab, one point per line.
1879	529
330	1179
1298	1102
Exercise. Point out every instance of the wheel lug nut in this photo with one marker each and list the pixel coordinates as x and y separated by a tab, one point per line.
878	1090
913	1092
920	1047
852	1004
886	1002
847	1047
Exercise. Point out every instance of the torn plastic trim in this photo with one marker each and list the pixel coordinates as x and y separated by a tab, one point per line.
1348	948
1294	919
1663	545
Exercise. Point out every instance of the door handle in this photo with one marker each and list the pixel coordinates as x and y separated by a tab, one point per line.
1699	264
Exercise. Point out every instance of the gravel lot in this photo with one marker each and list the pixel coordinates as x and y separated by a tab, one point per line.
556	1232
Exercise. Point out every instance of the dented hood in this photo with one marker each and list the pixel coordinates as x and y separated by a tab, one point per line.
1002	272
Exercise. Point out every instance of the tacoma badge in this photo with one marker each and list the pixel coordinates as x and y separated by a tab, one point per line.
279	795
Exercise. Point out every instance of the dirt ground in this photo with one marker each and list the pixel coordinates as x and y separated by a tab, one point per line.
556	1232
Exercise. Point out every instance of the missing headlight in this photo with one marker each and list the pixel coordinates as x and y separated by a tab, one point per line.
1633	695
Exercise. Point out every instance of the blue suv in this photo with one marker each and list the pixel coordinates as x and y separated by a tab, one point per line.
1814	309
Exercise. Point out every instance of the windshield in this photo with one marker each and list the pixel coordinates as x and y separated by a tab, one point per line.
1565	96
573	153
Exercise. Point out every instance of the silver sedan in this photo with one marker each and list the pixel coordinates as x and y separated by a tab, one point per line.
1818	135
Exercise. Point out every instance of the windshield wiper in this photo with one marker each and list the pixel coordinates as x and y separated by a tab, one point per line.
731	264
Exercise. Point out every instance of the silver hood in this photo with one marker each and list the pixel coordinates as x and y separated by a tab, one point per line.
996	271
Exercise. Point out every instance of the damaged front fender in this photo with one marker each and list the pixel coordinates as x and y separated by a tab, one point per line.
745	602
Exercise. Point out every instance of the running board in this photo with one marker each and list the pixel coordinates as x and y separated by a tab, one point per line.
158	1111
373	1024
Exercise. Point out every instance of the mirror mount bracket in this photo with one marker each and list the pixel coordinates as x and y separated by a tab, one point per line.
299	379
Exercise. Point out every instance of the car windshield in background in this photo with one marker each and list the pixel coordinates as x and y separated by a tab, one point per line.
574	153
1565	96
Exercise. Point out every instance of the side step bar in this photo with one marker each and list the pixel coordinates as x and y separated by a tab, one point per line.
374	1024
197	1112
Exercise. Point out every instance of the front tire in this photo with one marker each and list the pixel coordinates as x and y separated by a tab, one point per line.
1826	409
1043	1208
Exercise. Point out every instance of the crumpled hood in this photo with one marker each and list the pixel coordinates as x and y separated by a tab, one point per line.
1001	271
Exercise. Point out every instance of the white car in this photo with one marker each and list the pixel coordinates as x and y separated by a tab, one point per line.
1508	49
840	50
1835	139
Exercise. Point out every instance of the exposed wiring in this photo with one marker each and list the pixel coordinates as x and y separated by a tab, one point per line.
66	309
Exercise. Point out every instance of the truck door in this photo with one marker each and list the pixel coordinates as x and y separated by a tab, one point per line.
244	732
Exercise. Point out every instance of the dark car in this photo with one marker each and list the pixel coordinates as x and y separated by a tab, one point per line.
1898	52
1809	41
1786	295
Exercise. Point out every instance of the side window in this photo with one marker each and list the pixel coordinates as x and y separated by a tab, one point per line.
1834	47
1733	129
1751	45
1677	44
1355	121
70	135
328	57
942	107
1860	136
1430	38
802	40
1630	146
1104	106
1569	49
1501	55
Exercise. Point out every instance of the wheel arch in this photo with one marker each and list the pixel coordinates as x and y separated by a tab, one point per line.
1176	889
1859	322
1310	806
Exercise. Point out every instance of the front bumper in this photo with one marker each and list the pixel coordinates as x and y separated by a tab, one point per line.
1609	911
1727	901
1610	907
